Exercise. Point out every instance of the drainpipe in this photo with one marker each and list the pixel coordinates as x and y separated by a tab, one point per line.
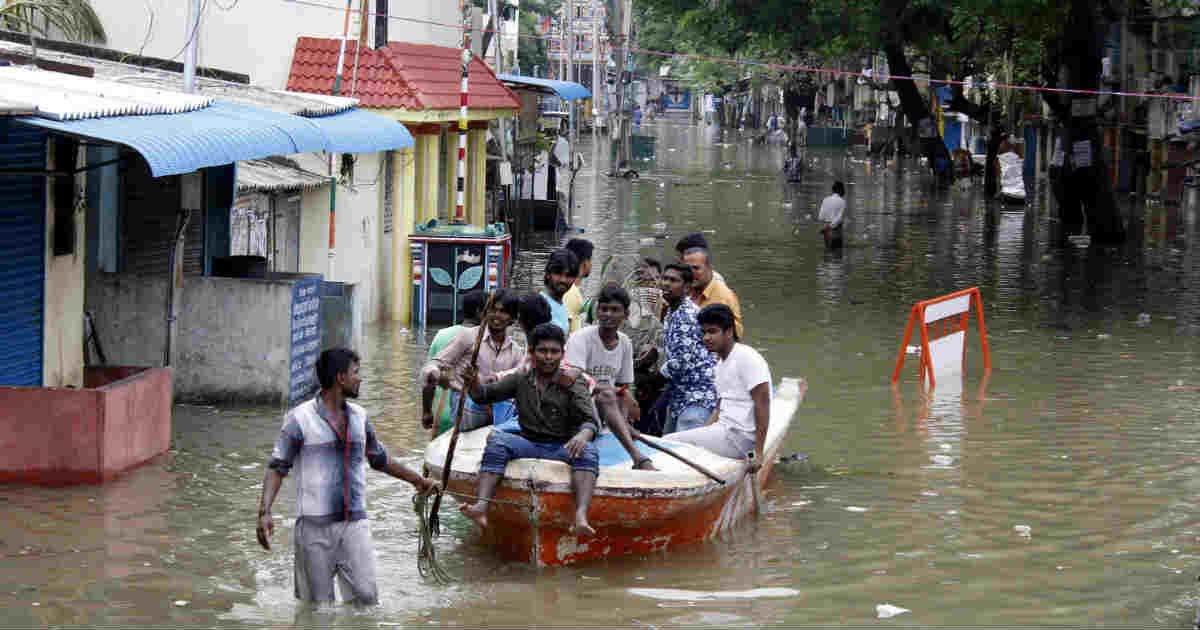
193	35
332	209
173	270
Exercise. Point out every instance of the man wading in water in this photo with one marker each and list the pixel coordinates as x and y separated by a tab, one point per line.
330	441
557	422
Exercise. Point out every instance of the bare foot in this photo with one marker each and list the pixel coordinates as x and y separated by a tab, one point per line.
645	464
476	512
582	527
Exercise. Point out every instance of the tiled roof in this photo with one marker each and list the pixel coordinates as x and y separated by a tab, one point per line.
398	76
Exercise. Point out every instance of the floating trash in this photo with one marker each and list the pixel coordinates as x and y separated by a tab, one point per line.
646	241
1103	336
943	460
855	508
181	602
1143	319
659	226
1024	531
912	350
884	611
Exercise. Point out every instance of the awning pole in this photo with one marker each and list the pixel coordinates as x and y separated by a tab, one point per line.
189	60
459	215
337	79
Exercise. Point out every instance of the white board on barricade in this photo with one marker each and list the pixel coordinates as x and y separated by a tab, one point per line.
942	324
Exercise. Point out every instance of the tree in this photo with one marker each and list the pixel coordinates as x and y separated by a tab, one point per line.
72	19
532	50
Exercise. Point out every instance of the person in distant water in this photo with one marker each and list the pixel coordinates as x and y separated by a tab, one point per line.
573	299
739	424
557	422
706	289
833	210
691	241
606	354
329	441
472	304
688	367
497	352
561	271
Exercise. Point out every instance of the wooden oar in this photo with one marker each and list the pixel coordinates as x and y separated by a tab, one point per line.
658	447
434	523
753	483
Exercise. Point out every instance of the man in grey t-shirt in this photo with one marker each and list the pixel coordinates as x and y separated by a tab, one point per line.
606	353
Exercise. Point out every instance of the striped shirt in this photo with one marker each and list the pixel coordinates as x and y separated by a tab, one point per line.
330	473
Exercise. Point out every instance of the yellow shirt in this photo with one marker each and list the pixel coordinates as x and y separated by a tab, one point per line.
717	292
573	300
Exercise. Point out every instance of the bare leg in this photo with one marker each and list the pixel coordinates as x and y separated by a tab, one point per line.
585	483
609	407
477	511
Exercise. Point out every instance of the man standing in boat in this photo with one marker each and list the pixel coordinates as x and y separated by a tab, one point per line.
472	307
606	354
561	271
557	422
497	353
689	365
743	381
573	299
707	289
329	441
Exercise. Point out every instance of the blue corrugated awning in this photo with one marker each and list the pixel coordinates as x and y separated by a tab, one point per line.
358	131
222	133
567	90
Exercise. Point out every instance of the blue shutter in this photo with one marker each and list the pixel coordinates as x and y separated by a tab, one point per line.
22	255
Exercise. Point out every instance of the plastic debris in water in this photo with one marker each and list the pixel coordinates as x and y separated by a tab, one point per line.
181	602
884	611
659	226
647	241
912	350
1143	319
1024	531
855	508
1103	336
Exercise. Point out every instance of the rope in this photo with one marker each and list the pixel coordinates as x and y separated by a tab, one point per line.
427	562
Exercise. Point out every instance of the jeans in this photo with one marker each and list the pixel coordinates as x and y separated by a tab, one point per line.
690	418
476	415
503	447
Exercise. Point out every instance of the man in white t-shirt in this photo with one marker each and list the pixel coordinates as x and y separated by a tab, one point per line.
833	210
743	381
606	353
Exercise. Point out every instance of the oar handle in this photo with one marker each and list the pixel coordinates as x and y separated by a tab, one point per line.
462	401
658	447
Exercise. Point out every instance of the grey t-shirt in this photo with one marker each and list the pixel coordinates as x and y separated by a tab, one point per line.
586	351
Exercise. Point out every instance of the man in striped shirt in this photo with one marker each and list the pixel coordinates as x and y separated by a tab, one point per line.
329	442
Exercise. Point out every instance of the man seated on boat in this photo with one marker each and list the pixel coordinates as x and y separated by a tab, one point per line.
557	422
707	289
561	271
497	352
606	354
691	241
688	367
472	309
743	380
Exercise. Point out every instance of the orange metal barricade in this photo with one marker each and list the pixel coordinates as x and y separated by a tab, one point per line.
948	325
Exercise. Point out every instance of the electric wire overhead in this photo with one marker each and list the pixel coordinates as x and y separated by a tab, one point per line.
785	67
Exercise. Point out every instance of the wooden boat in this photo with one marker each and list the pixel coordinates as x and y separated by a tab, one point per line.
633	512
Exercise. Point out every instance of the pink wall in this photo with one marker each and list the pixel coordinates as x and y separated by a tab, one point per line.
58	436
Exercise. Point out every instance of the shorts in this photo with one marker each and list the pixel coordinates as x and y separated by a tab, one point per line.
503	447
341	547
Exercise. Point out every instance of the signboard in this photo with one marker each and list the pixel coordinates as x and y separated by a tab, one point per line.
677	99
306	338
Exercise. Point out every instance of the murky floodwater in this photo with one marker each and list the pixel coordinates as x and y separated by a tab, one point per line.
1058	490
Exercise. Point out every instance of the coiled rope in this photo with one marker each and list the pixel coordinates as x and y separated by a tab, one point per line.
427	562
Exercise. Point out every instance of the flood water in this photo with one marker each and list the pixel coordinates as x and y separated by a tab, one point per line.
1060	489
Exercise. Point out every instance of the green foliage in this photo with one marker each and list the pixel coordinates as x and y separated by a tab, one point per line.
531	52
75	20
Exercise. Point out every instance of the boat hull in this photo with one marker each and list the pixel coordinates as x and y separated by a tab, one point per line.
633	512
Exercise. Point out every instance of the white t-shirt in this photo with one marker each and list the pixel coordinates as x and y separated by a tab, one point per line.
743	370
832	209
585	350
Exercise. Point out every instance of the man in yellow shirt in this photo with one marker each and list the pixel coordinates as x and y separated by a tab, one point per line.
692	241
573	299
708	290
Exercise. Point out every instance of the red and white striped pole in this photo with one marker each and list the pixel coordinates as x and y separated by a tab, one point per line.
459	215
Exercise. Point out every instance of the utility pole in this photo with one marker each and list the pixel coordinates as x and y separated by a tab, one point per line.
193	37
571	121
597	86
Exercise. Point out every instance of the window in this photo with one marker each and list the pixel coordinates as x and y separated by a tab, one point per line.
66	152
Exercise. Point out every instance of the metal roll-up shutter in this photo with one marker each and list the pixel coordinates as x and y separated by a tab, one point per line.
150	216
23	252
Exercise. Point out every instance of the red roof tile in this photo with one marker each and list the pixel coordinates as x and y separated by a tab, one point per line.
399	75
